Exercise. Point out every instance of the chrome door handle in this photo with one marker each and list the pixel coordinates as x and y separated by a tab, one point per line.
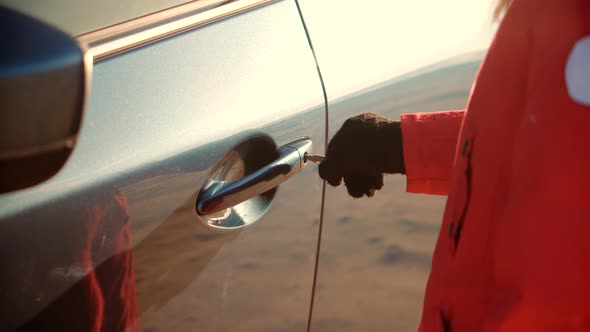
221	195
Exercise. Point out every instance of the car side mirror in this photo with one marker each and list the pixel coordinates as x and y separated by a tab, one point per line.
44	80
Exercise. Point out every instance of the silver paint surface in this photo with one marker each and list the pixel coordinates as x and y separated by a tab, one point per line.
159	118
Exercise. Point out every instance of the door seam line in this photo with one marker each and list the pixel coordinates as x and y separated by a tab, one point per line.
323	200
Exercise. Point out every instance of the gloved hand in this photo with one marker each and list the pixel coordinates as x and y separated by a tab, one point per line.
366	147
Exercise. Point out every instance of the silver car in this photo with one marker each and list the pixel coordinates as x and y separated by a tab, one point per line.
155	162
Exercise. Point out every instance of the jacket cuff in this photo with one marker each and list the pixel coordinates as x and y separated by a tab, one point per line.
429	144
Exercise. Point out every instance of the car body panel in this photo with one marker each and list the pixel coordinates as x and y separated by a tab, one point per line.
159	118
387	57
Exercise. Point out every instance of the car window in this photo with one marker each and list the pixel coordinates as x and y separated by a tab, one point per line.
80	16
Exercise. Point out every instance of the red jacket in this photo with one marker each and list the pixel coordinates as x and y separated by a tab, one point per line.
513	253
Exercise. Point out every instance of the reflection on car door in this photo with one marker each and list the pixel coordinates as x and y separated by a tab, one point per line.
387	57
119	220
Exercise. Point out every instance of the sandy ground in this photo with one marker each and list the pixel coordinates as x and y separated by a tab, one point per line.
376	256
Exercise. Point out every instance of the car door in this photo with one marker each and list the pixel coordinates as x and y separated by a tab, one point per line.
387	57
165	217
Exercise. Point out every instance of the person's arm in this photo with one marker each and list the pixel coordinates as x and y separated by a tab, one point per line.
369	145
429	146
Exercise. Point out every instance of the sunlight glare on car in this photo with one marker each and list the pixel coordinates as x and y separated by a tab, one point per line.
365	46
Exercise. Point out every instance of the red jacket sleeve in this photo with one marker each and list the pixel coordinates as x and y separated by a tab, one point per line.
429	142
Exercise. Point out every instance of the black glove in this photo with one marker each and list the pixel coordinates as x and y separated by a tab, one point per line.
366	147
